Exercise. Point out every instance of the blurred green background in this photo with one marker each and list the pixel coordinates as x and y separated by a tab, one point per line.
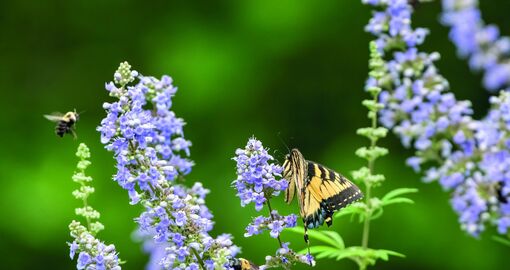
243	68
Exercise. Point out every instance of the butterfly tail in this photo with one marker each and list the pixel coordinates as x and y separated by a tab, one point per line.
307	240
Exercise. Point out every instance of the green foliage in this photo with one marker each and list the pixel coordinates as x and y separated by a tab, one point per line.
84	191
393	196
362	256
372	207
220	58
330	237
335	248
501	240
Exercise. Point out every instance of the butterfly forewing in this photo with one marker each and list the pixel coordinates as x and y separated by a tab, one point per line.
321	191
291	188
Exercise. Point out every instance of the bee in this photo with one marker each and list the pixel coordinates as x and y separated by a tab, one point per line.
65	123
320	191
242	264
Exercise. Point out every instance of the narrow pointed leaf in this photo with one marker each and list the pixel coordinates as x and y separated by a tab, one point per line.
336	237
314	234
398	200
315	249
398	192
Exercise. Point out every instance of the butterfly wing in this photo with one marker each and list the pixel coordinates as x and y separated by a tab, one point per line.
325	192
288	174
294	170
290	191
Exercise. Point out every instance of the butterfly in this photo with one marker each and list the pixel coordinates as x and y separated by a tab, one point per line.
320	191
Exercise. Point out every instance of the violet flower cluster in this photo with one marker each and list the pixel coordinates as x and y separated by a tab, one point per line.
256	177
275	224
482	44
257	182
465	155
93	253
150	149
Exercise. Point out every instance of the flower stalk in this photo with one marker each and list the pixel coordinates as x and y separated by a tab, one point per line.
258	180
463	154
151	154
93	254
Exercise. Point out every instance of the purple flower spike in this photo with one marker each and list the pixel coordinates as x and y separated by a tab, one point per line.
468	157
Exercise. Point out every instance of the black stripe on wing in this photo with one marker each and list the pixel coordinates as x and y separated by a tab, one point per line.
332	192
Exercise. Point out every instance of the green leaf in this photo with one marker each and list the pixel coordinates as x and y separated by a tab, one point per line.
336	237
392	196
316	249
501	240
330	253
355	208
399	191
356	253
398	200
377	213
349	252
297	229
384	254
370	255
319	235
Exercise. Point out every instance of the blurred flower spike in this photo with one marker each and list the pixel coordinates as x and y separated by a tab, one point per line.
151	154
92	253
466	156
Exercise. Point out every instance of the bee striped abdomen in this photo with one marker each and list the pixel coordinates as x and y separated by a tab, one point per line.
63	127
65	123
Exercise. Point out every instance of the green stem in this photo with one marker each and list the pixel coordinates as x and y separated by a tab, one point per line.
272	218
199	259
85	205
368	214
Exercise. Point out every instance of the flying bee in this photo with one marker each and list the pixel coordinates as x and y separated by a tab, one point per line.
65	123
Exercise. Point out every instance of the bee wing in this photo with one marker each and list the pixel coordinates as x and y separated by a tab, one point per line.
55	117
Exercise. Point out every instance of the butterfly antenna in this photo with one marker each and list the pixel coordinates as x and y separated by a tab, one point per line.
283	142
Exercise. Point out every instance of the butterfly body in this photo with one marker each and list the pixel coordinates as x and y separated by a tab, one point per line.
320	191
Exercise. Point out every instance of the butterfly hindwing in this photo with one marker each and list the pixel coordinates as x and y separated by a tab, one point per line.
325	192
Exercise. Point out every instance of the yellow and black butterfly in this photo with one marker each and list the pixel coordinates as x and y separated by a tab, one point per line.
320	191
